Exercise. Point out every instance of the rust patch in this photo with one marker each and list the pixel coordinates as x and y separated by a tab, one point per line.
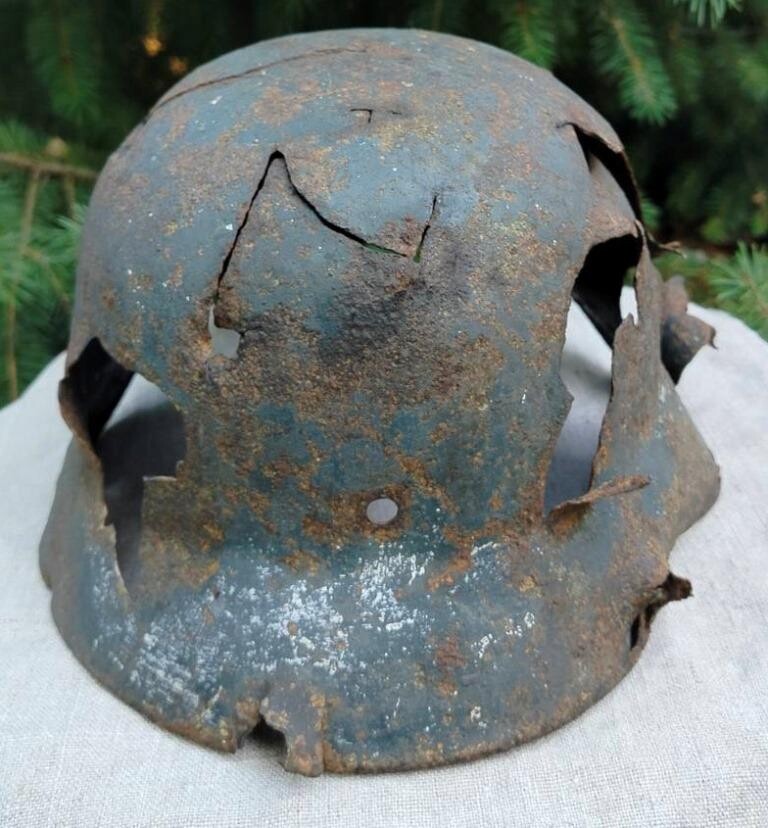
448	655
682	335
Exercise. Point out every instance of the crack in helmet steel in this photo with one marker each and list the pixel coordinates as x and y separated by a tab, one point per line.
342	264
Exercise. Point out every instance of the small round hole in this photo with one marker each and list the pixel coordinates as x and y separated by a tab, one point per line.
381	511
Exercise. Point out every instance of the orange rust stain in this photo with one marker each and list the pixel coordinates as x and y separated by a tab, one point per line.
175	279
301	561
108	298
527	583
336	762
447	687
275	107
459	564
448	654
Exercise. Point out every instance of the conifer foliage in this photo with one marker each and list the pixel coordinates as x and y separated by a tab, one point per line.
685	82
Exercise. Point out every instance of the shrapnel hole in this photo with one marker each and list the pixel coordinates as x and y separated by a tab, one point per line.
585	369
586	364
224	341
135	431
92	388
381	511
270	738
597	288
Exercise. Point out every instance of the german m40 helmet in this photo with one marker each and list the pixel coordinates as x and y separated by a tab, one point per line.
338	267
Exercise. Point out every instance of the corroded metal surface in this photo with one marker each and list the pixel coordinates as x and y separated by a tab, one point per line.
682	335
389	226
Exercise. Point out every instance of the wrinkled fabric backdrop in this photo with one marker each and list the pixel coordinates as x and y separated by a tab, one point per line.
682	741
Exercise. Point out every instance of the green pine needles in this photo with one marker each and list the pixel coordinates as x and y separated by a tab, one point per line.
710	11
685	83
625	49
528	29
41	212
741	285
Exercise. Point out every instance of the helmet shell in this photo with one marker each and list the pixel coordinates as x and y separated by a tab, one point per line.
346	259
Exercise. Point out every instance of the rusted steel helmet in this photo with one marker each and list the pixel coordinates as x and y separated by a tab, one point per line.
342	264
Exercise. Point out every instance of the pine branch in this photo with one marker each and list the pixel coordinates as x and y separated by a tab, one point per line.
46	167
752	66
16	137
651	213
36	285
25	233
741	285
38	250
63	49
45	263
625	49
528	29
683	59
712	11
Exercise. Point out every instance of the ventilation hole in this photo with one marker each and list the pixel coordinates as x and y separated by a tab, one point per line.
270	738
381	511
585	369
136	433
224	341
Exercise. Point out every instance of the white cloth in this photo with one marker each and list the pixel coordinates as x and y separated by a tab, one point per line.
682	741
